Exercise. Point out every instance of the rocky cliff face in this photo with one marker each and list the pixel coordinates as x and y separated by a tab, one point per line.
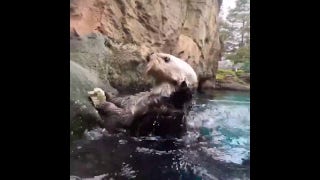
112	37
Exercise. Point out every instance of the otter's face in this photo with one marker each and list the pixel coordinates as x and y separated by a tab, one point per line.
168	68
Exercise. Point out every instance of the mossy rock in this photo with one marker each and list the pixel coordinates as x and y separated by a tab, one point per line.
90	52
240	72
245	77
223	74
82	113
226	72
120	64
228	79
220	77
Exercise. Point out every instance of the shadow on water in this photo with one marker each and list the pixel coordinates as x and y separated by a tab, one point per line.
217	146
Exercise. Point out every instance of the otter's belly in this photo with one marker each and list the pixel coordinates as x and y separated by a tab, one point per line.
171	124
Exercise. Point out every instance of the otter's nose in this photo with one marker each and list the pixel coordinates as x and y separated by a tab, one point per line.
148	57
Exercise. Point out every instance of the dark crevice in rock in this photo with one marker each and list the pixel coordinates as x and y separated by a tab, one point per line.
139	5
121	6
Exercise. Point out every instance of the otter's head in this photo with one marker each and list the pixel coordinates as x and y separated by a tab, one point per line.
168	69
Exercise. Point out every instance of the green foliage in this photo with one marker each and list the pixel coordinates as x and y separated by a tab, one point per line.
240	55
235	30
219	77
225	30
229	75
239	18
226	72
246	66
240	72
223	74
235	36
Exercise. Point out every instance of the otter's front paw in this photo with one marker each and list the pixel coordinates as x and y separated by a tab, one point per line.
97	96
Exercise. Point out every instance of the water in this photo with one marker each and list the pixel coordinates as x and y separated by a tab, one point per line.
217	146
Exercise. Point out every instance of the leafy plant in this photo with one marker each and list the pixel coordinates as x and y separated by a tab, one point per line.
235	33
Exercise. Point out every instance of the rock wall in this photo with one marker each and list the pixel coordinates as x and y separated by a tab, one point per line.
113	37
110	39
82	114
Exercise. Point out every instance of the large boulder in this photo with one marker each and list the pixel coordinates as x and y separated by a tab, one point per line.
82	113
112	61
230	80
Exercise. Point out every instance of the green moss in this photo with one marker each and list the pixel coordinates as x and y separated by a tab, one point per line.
222	74
220	77
226	72
240	72
229	75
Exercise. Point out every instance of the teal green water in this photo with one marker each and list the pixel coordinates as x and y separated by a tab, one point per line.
225	122
215	147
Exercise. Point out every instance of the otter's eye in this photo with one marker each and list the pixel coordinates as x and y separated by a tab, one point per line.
166	59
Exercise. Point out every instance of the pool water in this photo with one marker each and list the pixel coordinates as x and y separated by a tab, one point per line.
216	146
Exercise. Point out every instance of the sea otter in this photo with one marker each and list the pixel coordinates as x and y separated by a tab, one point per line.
160	111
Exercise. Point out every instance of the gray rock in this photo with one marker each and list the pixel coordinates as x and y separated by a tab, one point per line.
91	53
245	77
82	113
117	63
233	86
